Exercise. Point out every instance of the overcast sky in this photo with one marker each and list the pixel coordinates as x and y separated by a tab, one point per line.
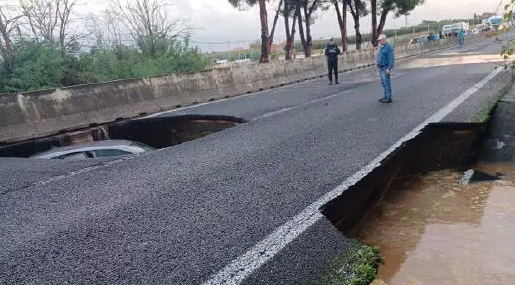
217	21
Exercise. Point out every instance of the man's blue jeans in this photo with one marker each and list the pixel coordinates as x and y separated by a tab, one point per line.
385	81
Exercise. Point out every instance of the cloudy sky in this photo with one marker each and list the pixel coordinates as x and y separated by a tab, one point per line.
218	22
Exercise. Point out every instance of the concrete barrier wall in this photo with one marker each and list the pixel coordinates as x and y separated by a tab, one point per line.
36	114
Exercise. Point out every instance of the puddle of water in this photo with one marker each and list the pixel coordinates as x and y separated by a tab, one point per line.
435	230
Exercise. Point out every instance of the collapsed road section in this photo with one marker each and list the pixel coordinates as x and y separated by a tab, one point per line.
157	132
238	206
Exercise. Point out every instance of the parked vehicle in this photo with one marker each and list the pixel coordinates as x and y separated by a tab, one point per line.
461	26
420	39
482	28
495	22
424	38
446	30
97	149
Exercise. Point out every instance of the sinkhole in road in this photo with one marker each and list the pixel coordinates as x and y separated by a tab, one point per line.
434	229
441	208
158	132
439	146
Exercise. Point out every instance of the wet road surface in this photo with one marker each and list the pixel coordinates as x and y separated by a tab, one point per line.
181	214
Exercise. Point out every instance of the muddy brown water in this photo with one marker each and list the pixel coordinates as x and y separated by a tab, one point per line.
434	230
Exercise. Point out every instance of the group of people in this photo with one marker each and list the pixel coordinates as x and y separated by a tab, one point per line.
385	63
457	34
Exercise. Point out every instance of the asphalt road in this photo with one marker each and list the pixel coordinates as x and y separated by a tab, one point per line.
179	215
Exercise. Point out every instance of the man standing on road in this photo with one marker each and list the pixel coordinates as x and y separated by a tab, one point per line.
385	59
332	51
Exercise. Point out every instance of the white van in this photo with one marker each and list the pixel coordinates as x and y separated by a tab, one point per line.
460	26
446	30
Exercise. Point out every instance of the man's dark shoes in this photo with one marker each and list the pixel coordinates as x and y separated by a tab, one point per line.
386	101
330	83
337	82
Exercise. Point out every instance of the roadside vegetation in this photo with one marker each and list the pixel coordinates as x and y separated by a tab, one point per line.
42	43
53	43
35	65
358	266
508	46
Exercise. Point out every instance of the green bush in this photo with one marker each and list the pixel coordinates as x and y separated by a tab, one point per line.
357	266
368	260
35	65
32	66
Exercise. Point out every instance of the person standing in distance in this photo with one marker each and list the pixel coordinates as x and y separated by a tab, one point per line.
461	37
332	51
385	60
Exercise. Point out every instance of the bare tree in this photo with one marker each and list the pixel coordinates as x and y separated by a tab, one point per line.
9	25
149	23
52	21
108	30
42	18
64	11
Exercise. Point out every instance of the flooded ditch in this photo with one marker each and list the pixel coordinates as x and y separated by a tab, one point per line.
433	229
439	146
158	132
442	208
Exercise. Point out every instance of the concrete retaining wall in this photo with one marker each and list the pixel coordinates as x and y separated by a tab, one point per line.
36	114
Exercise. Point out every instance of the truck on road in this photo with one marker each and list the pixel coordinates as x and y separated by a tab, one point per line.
495	22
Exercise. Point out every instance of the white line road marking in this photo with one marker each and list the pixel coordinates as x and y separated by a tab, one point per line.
243	266
286	109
